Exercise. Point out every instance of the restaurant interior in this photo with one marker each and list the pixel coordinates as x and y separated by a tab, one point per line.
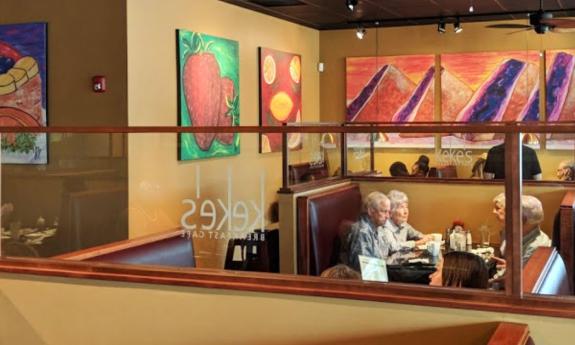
180	167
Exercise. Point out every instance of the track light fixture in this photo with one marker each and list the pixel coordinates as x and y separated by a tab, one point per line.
471	8
360	32
350	4
441	26
457	26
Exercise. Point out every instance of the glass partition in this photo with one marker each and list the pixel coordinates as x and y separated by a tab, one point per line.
312	156
547	245
196	200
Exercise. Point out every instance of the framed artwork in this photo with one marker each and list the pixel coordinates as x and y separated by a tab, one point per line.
208	94
23	92
395	89
488	87
280	96
560	95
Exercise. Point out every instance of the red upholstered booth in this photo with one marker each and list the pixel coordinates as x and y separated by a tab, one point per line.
322	217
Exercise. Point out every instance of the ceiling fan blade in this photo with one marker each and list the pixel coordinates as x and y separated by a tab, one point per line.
559	22
518	31
509	26
560	30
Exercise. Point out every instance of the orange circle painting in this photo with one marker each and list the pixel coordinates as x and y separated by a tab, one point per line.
280	91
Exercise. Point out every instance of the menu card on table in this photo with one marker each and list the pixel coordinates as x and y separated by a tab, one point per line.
373	269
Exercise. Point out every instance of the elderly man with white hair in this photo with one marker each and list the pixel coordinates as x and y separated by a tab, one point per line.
397	233
532	216
364	238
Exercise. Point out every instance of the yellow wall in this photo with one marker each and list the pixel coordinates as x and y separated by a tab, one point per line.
158	182
434	207
336	45
44	310
85	38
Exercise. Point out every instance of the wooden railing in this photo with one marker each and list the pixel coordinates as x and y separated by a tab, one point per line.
511	334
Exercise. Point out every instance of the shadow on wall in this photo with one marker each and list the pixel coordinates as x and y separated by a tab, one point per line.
474	334
13	325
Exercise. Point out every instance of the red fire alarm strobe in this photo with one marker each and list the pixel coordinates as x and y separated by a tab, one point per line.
99	83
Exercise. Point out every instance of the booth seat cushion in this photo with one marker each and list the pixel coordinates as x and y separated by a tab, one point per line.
174	251
321	219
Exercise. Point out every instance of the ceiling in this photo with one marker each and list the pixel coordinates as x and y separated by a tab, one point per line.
333	14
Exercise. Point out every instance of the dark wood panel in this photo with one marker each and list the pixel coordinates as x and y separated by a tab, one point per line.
414	127
332	14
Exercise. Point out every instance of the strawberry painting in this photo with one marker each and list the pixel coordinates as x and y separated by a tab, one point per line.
208	78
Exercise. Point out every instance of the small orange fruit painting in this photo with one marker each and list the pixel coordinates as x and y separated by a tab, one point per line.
280	96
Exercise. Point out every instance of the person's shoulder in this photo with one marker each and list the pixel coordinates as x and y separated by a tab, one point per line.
497	148
528	149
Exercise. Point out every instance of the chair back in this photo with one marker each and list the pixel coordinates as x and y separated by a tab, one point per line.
448	171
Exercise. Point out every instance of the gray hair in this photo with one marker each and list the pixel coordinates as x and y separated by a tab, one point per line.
373	199
532	210
396	199
499	199
566	164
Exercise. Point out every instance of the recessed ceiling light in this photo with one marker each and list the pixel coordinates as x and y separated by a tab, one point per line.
457	26
360	32
441	26
350	4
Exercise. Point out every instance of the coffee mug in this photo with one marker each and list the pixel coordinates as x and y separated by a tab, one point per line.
437	237
433	247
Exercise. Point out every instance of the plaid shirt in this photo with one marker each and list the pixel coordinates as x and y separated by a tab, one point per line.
365	239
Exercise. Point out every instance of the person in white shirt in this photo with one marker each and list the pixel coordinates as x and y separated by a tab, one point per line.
398	235
532	216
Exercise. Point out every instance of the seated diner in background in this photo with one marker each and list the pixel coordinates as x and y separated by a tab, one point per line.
364	237
566	171
495	164
398	169
478	166
341	271
421	167
532	216
398	235
461	269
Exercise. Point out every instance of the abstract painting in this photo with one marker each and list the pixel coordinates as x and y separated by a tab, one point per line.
488	87
280	96
560	96
395	89
208	94
23	92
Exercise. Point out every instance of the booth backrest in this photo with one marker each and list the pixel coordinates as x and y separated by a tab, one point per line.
447	171
563	233
96	217
321	219
545	273
304	172
165	249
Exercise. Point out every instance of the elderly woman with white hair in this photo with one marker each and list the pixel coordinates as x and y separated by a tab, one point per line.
397	233
532	216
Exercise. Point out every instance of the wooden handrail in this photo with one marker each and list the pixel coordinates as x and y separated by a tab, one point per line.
104	249
413	127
